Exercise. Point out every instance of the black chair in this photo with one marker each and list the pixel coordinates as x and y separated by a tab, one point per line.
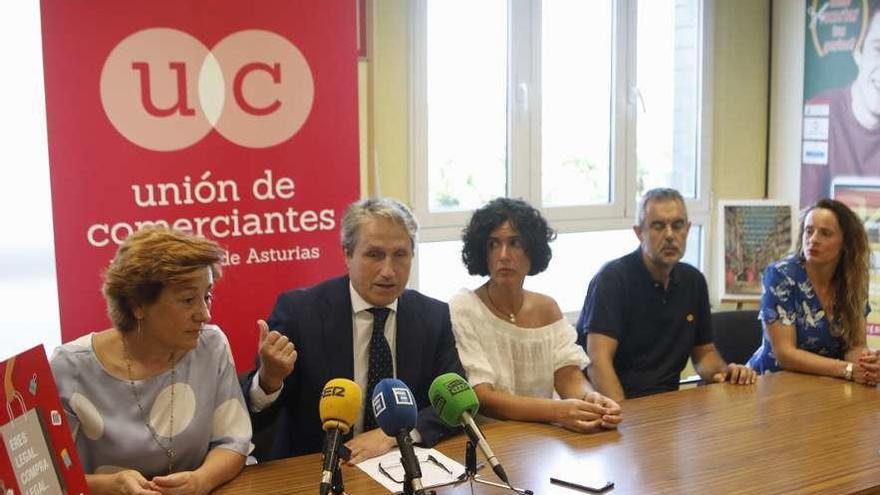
737	334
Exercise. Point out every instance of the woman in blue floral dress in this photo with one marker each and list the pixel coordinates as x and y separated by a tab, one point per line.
814	302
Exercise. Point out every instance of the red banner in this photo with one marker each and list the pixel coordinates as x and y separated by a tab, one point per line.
235	120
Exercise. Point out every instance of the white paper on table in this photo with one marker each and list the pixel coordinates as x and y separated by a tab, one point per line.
432	474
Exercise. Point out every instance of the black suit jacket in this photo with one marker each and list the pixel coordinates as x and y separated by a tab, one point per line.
318	321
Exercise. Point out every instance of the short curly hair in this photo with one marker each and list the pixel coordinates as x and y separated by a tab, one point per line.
148	261
526	219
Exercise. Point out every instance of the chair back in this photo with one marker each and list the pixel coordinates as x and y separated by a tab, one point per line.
737	334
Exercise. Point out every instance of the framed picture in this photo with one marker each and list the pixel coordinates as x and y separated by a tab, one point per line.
754	234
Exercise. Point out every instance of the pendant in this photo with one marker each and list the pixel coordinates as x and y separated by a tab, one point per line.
512	317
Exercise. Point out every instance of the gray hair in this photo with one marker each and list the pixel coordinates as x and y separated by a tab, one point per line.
658	194
388	208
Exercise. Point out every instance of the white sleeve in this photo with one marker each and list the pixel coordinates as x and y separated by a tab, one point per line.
567	352
470	345
259	399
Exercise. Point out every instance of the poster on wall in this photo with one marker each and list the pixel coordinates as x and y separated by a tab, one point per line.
755	233
234	120
864	199
841	119
37	452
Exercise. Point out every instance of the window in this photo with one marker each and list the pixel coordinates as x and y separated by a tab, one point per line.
467	145
576	103
28	291
577	106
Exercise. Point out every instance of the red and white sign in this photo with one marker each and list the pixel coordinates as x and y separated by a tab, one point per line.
37	451
235	120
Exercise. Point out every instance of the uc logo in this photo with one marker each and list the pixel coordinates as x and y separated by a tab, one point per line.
163	90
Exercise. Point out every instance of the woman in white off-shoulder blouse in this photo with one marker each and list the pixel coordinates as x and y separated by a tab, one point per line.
515	344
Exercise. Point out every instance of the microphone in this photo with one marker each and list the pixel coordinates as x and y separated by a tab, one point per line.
339	406
456	403
395	410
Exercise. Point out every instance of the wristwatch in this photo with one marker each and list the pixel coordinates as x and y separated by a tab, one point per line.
847	373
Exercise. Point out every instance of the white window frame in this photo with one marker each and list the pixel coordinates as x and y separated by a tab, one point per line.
524	140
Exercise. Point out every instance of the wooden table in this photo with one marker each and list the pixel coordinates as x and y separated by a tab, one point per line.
790	433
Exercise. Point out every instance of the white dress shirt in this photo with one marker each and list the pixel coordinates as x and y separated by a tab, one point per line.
362	326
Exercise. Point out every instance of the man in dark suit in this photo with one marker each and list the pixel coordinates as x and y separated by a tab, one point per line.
364	326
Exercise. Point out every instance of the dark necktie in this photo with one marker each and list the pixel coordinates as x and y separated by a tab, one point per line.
380	364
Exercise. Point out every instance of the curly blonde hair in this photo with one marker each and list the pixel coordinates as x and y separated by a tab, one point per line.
148	261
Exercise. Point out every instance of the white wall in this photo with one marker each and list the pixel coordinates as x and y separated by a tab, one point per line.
786	99
28	295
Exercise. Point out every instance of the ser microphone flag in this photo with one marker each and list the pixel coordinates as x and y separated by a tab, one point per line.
340	404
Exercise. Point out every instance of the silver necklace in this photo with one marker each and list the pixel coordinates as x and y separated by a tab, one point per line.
510	316
169	449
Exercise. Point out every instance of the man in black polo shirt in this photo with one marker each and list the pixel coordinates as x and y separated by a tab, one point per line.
646	313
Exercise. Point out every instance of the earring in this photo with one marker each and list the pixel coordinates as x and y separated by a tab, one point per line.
139	328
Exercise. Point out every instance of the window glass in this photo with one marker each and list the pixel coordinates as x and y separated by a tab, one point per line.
467	103
668	95
576	102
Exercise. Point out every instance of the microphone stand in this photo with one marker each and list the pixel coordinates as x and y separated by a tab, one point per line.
408	487
409	490
410	463
470	472
338	487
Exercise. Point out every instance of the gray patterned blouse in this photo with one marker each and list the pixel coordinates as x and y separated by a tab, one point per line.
109	431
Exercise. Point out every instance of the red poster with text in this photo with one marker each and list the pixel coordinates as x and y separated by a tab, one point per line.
37	451
235	120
